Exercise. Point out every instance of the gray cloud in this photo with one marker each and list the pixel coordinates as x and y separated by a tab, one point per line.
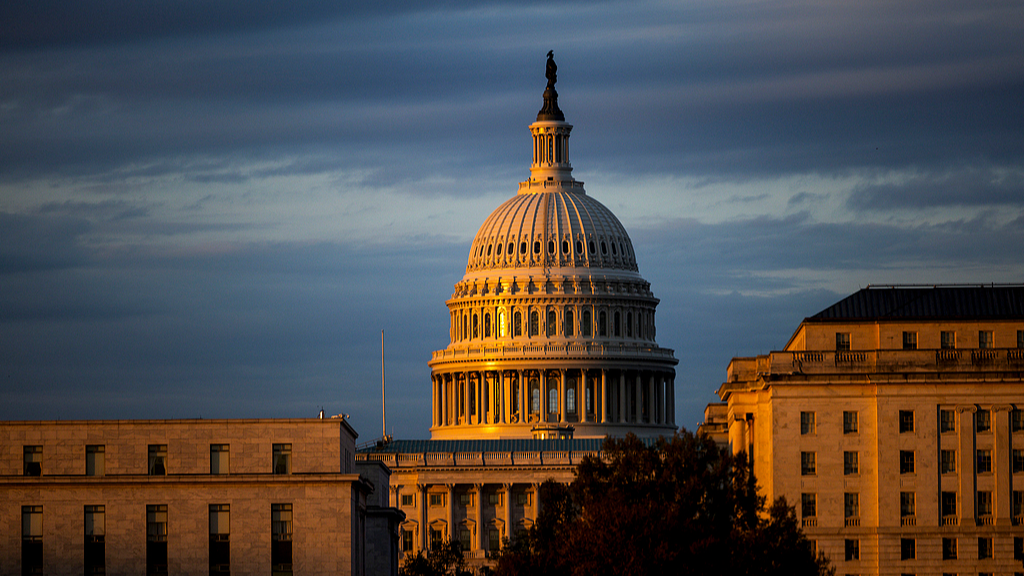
968	186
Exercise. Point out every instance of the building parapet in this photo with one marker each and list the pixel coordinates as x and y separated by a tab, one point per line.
476	459
583	351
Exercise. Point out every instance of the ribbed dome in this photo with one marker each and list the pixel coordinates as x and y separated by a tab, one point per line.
559	227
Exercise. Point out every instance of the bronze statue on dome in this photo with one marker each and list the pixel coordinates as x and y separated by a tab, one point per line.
551	72
550	109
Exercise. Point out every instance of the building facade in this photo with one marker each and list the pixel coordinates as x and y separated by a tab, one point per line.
192	496
551	348
892	421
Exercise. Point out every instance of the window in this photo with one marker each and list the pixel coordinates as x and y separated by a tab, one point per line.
282	458
984	503
570	399
466	499
983	420
984	548
33	460
851	463
551	246
534	396
1017	461
586	325
156	540
906	461
910	340
842	341
407	541
906	421
502	324
807	464
487	325
407	500
1018	548
1016	420
947	461
476	325
948	504
552	322
220	539
94	460
465	538
219	459
618	324
523	498
808	505
158	459
947	421
436	538
493	539
984	461
517	323
281	539
985	339
1020	338
536	247
908	504
851	505
552	400
31	539
494	498
908	549
852	549
949	548
534	323
569	327
602	323
947	340
437	499
629	324
95	530
807	423
851	423
1017	503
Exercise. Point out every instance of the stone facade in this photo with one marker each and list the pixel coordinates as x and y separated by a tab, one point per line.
892	421
189	490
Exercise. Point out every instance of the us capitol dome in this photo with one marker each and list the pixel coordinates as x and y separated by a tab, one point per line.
552	327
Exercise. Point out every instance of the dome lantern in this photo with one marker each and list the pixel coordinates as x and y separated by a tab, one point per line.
550	138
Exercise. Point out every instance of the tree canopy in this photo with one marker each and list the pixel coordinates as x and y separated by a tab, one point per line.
443	559
680	506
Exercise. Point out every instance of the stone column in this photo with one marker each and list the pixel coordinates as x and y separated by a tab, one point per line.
604	395
524	405
563	387
506	400
653	398
421	509
450	510
1001	464
508	509
543	396
966	447
582	400
479	516
484	416
672	401
622	397
639	399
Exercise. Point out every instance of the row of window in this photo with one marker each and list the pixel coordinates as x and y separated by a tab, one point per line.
947	462
617	247
470	326
466	499
437	537
94	523
947	340
95	461
908	548
908	507
947	421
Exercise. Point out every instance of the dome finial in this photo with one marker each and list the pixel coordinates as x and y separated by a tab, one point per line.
550	109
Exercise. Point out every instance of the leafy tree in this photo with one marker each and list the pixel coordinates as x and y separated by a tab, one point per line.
443	559
681	506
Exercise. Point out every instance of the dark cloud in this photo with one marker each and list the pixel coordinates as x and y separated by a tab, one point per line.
968	186
31	243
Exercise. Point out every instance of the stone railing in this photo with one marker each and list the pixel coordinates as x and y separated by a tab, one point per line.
571	350
809	522
825	362
950	520
908	521
852	522
469	459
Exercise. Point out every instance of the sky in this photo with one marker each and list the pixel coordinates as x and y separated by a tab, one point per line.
212	209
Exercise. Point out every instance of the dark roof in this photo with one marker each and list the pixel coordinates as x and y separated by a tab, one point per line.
508	445
927	303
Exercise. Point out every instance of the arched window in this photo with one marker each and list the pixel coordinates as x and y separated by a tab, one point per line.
569	328
534	323
534	396
565	246
570	400
497	251
517	323
602	323
589	406
487	325
536	247
586	325
488	249
604	247
552	400
579	247
502	326
591	246
552	321
465	333
629	324
551	246
618	325
613	248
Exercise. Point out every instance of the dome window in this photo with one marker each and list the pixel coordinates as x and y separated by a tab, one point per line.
536	247
517	323
602	323
488	249
591	246
585	324
618	323
522	248
487	325
534	323
510	245
613	248
551	246
604	247
476	326
498	250
552	322
569	328
579	247
565	246
629	324
570	399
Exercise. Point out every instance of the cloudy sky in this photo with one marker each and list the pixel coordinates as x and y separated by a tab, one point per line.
213	208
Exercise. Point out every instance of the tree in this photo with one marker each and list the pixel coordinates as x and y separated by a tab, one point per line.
443	559
680	506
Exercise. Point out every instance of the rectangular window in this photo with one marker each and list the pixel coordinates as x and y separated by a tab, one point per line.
984	461
984	548
158	459
984	503
948	504
906	421
156	540
851	505
523	498
842	341
31	540
808	505
436	538
466	499
1016	420
852	550
910	340
906	461
985	339
1018	548
282	458
1020	338
494	498
947	461
851	463
465	538
807	464
95	531
947	421
437	499
908	549
1017	461
281	539
949	548
220	539
33	460
95	464
908	504
220	459
947	340
851	423
407	500
1017	504
407	541
983	420
493	539
807	423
